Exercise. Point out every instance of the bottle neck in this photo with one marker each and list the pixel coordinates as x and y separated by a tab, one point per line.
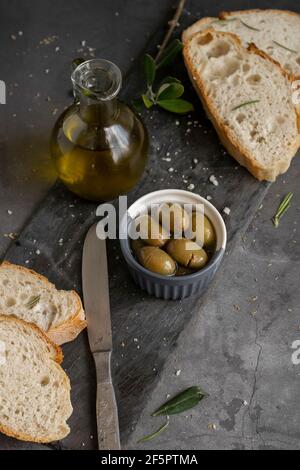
98	113
96	85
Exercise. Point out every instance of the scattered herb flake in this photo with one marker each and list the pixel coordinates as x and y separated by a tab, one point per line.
282	208
284	47
154	434
32	302
248	26
245	104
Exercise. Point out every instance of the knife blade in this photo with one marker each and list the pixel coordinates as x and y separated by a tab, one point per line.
97	308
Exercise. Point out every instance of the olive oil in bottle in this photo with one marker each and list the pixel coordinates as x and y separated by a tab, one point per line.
99	145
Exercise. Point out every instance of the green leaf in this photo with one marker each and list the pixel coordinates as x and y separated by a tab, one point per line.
170	53
169	80
147	102
170	91
154	434
178	106
181	402
137	104
149	69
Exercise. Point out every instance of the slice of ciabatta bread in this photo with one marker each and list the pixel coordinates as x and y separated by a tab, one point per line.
276	32
34	390
262	135
31	297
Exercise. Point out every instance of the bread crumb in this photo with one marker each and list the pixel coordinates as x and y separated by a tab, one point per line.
38	252
9	212
226	210
209	198
178	372
191	187
212	426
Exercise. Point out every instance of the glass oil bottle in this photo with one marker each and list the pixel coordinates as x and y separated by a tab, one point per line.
99	145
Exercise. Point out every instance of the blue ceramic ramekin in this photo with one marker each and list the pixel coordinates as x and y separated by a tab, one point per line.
174	287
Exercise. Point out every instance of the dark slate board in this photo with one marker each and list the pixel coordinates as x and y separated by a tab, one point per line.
155	324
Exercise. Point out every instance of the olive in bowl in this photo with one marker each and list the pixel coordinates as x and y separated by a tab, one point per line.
186	280
151	230
187	253
153	258
174	217
205	233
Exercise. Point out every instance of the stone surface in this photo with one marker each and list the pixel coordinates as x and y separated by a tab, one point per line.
235	342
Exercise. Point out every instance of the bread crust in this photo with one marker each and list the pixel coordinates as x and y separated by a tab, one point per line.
189	32
57	349
69	329
223	15
58	357
227	137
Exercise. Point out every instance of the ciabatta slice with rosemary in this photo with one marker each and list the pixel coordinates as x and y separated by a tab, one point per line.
248	97
31	297
276	32
34	390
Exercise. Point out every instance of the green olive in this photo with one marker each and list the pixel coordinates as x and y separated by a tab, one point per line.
136	245
173	216
151	232
187	253
208	231
156	260
183	271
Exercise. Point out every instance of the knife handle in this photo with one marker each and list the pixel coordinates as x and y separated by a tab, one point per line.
106	406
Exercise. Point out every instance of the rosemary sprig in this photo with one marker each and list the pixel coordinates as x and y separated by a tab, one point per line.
284	47
245	104
155	433
32	302
248	26
282	208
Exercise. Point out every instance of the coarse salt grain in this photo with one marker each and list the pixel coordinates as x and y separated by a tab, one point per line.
214	180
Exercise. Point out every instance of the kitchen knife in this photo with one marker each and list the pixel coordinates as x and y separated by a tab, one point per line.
97	309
